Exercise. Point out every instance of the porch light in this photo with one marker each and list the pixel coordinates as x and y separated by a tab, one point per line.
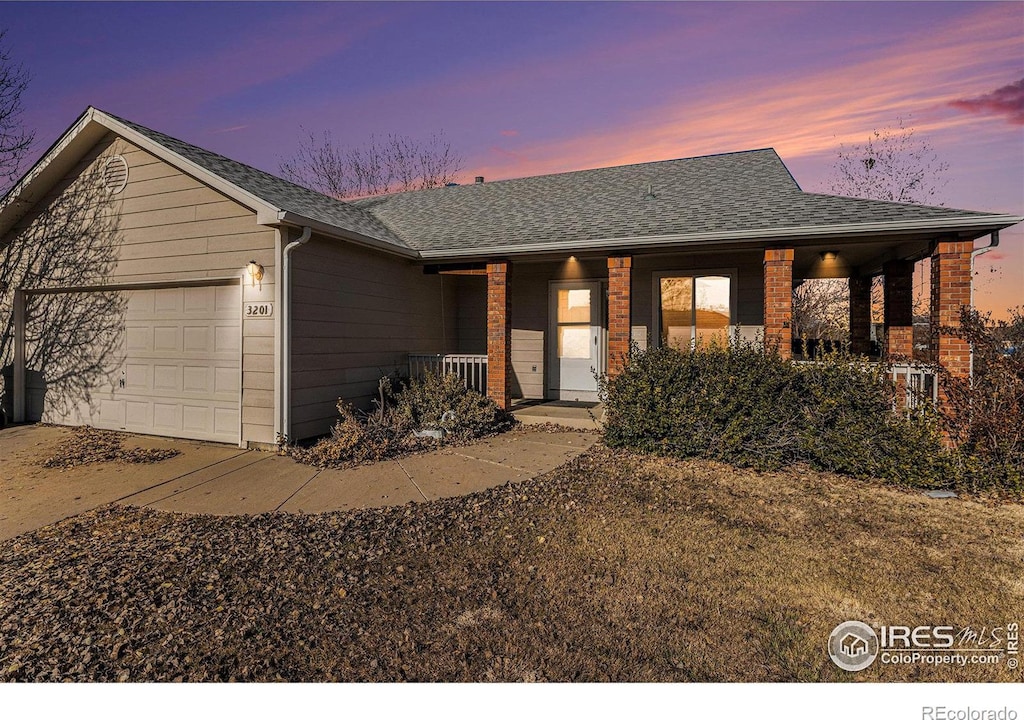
255	273
830	255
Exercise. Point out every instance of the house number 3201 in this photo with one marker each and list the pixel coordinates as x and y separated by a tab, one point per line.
259	310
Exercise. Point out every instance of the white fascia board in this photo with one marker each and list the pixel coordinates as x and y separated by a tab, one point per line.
261	206
333	231
16	194
45	160
805	232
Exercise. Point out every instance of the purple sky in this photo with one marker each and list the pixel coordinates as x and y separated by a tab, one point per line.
528	88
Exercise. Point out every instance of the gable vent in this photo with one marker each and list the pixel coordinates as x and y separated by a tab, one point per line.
115	174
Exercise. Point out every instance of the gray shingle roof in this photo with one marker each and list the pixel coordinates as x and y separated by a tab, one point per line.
738	195
274	190
735	192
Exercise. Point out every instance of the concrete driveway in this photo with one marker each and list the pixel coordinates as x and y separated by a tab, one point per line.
224	480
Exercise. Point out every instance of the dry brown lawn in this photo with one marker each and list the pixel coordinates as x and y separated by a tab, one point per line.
615	567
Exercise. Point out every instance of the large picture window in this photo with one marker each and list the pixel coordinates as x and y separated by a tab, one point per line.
693	309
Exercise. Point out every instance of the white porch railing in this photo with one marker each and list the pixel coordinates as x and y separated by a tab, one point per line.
471	368
919	381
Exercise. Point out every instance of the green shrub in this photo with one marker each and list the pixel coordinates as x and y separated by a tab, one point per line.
742	405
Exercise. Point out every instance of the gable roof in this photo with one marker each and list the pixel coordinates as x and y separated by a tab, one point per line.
275	200
728	198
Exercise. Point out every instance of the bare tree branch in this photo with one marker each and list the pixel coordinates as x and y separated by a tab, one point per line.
15	140
895	164
393	164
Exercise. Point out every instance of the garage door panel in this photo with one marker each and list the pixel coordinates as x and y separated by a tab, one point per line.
225	380
165	301
226	299
139	338
179	361
199	300
165	377
226	339
138	414
225	420
196	418
166	338
197	378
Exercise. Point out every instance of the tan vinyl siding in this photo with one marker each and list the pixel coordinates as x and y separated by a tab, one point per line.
168	226
356	314
471	313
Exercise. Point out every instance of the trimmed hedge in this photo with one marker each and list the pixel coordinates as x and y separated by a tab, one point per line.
739	404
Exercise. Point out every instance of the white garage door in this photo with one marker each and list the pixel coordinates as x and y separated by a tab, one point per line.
178	371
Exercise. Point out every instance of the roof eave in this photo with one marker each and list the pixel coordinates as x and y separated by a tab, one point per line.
25	192
333	231
241	196
979	224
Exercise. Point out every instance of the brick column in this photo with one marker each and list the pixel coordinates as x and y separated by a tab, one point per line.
778	300
499	333
860	315
951	290
619	276
899	308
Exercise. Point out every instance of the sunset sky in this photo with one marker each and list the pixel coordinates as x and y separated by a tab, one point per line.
527	88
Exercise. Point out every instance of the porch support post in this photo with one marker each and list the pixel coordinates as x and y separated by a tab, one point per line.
778	300
619	303
499	333
860	315
899	309
951	290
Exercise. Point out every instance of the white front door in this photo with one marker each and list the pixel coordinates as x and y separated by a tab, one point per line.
576	340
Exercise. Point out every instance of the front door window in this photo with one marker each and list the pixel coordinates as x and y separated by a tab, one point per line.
576	332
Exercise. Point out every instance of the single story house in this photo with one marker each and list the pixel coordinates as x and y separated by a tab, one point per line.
153	286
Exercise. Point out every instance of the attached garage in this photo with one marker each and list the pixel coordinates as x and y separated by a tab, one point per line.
144	286
175	369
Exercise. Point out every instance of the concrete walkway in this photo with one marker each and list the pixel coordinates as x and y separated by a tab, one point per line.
221	480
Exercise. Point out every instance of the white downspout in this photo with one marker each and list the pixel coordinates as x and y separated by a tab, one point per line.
286	333
993	242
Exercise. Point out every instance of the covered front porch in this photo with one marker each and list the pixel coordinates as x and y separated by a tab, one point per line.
545	328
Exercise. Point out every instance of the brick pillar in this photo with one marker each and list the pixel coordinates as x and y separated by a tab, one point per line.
951	290
898	300
778	300
499	333
860	315
619	276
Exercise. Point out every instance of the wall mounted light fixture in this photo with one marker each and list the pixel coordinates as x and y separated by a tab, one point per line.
256	273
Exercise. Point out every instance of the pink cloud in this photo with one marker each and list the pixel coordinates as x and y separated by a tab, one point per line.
510	133
234	128
803	116
1007	100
